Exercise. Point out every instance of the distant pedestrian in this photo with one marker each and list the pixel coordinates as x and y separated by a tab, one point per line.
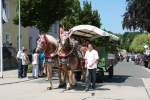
87	42
7	44
25	62
41	63
91	58
35	64
19	60
6	52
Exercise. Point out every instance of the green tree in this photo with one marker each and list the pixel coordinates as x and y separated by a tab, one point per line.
43	13
80	16
127	38
138	43
126	46
137	15
72	19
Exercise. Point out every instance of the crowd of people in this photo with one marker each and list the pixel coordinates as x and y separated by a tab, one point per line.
138	58
22	58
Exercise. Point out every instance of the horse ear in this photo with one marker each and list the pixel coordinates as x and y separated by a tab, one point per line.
39	35
44	36
69	31
61	30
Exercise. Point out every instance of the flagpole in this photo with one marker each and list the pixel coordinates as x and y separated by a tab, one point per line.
1	41
19	25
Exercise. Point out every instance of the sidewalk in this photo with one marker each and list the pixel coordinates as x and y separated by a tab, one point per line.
11	76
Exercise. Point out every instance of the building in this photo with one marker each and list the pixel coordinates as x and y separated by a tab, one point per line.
33	35
28	36
10	31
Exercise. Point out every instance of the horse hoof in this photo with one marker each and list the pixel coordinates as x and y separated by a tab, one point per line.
61	86
75	85
49	88
68	88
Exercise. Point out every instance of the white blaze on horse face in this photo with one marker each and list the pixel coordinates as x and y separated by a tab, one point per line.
64	37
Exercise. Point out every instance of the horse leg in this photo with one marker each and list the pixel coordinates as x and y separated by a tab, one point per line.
46	70
84	74
67	78
72	79
61	82
50	77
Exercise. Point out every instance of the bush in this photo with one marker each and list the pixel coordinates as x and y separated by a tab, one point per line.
30	68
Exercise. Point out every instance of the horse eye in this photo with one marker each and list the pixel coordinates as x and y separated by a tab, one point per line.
42	42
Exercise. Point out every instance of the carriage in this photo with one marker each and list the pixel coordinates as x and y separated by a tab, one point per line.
108	56
70	60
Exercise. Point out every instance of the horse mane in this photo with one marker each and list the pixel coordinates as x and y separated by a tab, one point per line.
52	40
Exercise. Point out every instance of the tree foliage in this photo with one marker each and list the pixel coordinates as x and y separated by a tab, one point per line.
43	13
138	43
137	15
80	16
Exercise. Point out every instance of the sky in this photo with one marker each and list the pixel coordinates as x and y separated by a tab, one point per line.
111	12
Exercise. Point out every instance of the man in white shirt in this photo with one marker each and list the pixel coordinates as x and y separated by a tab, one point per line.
91	58
19	60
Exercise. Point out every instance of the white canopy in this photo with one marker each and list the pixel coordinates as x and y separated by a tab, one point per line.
90	32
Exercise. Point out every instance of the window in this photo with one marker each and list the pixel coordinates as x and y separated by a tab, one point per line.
30	44
51	29
17	10
56	28
7	9
7	37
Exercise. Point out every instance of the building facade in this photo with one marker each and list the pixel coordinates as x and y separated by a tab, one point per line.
33	35
10	31
29	35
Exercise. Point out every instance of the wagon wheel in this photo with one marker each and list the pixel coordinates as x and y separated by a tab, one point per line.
149	65
100	76
77	75
111	71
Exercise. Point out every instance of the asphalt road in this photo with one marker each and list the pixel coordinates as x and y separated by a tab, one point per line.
130	82
125	74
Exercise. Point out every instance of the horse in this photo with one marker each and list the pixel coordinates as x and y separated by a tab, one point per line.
69	59
50	45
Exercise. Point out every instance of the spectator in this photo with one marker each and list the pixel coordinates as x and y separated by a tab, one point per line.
7	44
25	62
6	52
91	58
87	42
35	64
19	60
41	63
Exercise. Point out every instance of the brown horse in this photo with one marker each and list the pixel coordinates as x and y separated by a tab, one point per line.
69	59
50	45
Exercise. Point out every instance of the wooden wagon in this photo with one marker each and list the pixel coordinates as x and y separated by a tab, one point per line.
108	58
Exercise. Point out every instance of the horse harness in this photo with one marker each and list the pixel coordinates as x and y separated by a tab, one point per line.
64	59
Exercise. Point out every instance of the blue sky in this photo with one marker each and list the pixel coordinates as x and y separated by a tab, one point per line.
111	12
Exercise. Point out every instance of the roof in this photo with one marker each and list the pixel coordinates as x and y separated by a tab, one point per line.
90	32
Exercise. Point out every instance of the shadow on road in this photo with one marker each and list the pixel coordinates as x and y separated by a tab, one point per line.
116	79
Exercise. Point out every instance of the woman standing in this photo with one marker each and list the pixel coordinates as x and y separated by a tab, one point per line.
35	64
25	62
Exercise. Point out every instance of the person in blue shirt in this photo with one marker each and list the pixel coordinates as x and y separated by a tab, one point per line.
41	63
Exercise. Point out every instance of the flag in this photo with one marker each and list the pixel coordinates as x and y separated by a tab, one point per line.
4	17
